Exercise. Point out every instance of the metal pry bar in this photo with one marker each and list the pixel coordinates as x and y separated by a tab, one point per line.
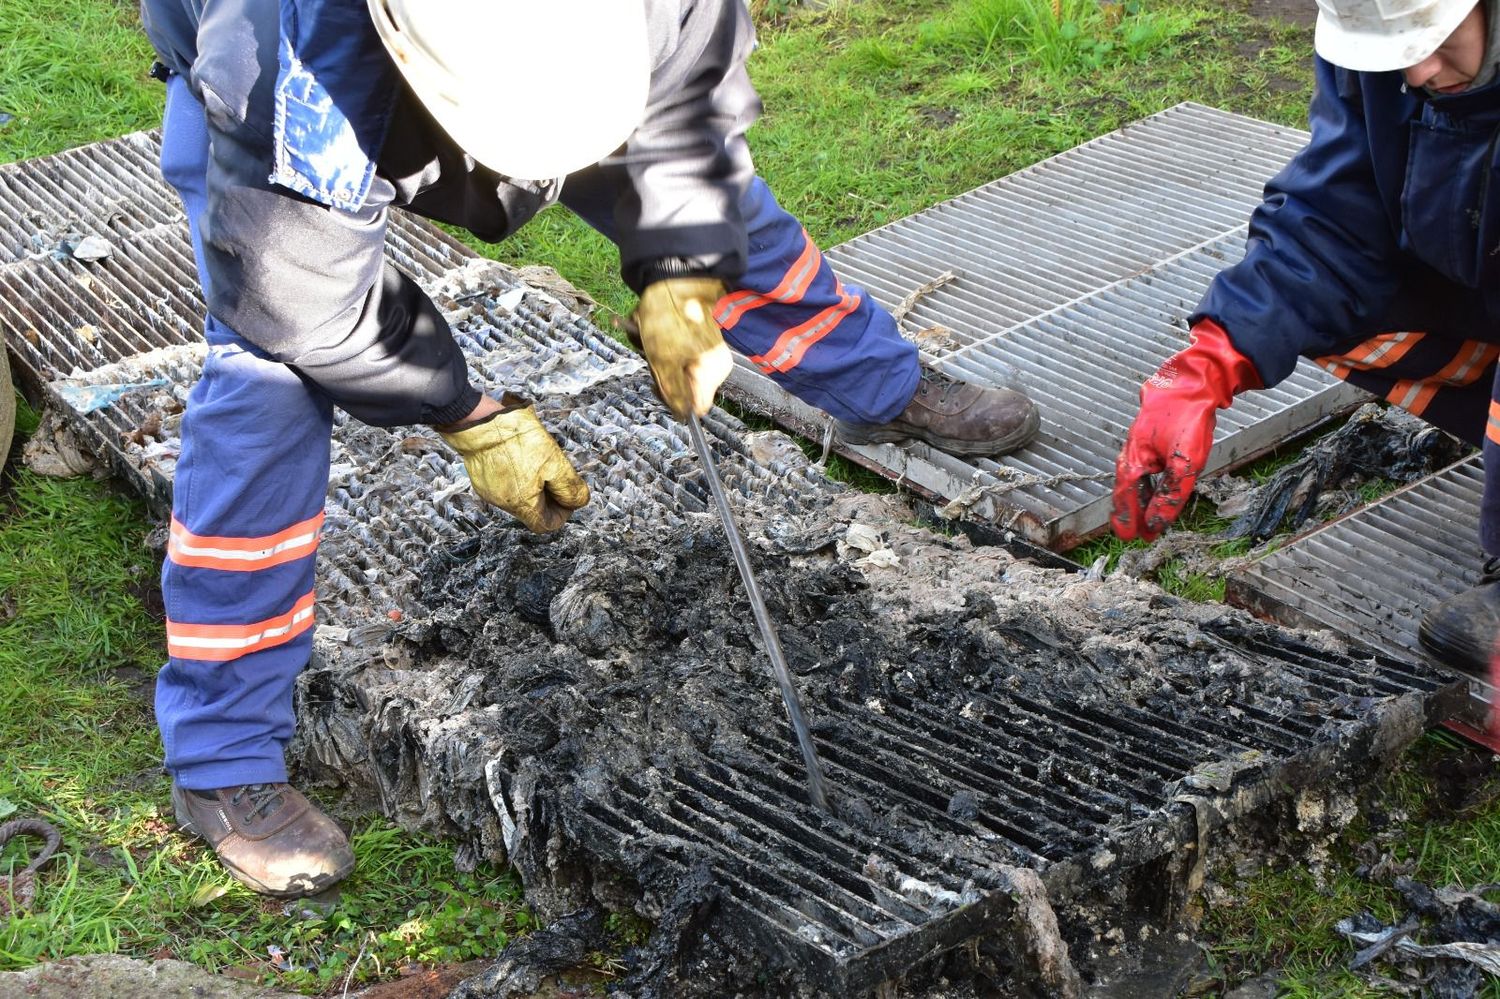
762	619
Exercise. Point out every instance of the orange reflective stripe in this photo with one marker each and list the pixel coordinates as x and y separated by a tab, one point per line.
1375	353
222	642
1492	428
727	311
1334	365
1382	351
794	284
1414	395
789	348
243	554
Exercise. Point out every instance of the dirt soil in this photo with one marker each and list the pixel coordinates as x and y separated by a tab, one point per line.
1298	12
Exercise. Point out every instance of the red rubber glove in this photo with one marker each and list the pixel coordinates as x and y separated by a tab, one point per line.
1174	430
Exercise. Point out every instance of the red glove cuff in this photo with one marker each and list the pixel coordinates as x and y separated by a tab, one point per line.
1209	368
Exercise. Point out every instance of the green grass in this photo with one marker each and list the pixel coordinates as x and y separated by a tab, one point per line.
72	71
1284	918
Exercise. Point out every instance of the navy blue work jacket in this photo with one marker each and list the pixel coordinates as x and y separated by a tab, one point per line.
1387	220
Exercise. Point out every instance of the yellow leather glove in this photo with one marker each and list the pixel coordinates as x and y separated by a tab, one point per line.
516	465
675	329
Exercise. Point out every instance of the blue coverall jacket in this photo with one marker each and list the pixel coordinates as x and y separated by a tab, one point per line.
1388	220
301	96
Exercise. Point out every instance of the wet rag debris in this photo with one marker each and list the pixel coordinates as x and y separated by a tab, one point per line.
1447	945
1377	442
594	706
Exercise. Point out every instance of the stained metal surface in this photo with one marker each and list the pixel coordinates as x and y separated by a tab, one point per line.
1083	793
144	294
1371	575
134	318
1075	278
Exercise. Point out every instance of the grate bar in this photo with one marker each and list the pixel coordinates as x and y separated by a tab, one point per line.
1371	575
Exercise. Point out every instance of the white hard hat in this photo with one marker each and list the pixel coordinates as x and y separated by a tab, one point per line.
533	89
1381	35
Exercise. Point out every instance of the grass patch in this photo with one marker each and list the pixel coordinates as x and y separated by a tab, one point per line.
72	71
1284	918
1059	38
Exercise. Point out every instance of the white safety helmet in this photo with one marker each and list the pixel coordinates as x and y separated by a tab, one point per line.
533	89
1381	35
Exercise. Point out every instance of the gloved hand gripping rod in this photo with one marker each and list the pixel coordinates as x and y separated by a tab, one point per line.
762	619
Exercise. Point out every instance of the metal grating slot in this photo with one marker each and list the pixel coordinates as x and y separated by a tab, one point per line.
1056	785
144	295
1372	574
112	190
119	343
1059	230
397	494
1075	277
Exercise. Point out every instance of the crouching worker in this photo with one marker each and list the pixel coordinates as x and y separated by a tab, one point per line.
1376	252
292	128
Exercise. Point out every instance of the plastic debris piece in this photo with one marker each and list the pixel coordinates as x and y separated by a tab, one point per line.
91	248
89	398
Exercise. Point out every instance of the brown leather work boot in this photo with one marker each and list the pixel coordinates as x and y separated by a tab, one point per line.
268	836
955	417
1461	632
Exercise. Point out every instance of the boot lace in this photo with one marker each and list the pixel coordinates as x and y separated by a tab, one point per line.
935	381
265	800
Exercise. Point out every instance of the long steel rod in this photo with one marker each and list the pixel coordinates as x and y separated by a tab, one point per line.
762	619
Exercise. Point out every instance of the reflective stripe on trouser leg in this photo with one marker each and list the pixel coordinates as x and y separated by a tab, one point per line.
1448	382
248	498
828	344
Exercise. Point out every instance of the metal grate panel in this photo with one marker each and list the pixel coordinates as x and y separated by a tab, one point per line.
1372	574
91	330
1081	789
1075	277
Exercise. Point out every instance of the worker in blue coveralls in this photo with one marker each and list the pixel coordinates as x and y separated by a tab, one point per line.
1376	252
291	128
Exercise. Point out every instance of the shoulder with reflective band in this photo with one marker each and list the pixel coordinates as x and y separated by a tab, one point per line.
335	88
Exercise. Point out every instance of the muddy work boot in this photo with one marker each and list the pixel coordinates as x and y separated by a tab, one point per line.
955	417
268	836
1460	632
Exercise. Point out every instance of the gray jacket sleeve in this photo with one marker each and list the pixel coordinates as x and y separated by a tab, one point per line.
682	173
307	284
310	286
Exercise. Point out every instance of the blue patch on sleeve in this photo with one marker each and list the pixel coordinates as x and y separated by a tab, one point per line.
335	88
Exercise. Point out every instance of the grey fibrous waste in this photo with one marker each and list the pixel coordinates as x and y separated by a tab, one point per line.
593	707
1452	934
1378	442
